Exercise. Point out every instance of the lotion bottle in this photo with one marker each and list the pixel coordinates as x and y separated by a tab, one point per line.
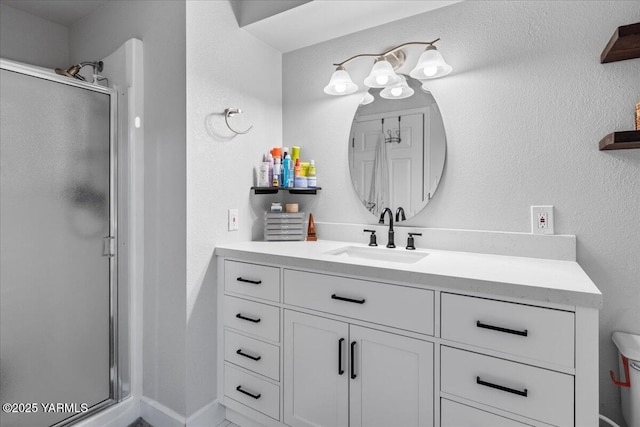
311	175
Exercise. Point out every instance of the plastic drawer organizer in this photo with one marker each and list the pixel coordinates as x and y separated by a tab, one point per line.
280	226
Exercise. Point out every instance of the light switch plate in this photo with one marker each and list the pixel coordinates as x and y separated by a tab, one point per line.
542	219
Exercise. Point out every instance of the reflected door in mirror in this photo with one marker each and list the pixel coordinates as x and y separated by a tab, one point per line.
387	160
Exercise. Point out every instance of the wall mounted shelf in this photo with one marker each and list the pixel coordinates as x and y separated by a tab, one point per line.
274	190
621	140
624	44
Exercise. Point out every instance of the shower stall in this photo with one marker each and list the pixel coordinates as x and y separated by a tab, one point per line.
60	359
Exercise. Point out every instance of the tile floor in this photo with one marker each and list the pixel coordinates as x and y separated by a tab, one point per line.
142	423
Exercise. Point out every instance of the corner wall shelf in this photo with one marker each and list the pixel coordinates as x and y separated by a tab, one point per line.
621	140
293	190
624	44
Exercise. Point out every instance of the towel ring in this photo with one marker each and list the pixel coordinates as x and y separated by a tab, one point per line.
230	112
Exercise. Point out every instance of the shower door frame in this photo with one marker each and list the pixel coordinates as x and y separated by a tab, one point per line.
115	389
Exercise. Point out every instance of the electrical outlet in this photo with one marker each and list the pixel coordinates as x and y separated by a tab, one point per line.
233	220
542	219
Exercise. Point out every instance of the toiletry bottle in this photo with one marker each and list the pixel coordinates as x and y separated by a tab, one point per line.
285	153
297	169
311	175
270	160
295	154
291	177
277	172
286	171
263	175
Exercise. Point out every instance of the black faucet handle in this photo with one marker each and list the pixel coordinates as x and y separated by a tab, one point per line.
372	237
410	242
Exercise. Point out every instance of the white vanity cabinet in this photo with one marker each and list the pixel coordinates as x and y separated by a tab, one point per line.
339	374
250	339
387	377
311	342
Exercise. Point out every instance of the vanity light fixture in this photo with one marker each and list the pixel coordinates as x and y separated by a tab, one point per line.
367	99
430	65
340	83
400	90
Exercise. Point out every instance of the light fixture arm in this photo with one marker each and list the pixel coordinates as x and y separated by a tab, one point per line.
379	55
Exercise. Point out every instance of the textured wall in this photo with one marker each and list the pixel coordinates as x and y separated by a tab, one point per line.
524	110
226	67
161	27
32	40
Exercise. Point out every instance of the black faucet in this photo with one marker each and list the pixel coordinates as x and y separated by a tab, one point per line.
390	243
400	215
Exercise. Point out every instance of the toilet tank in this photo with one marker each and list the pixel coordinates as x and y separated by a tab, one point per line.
629	347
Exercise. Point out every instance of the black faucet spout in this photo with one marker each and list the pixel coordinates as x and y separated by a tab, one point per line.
390	243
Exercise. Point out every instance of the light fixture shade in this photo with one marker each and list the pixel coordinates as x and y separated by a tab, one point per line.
367	99
340	83
381	75
400	90
430	65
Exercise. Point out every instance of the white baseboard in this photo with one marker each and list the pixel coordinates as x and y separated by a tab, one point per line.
159	415
210	415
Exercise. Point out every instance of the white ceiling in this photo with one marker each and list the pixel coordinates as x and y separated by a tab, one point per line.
305	25
63	12
322	20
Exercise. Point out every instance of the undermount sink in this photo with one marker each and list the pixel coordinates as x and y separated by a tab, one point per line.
379	254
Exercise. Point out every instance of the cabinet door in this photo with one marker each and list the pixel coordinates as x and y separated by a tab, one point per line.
393	384
315	388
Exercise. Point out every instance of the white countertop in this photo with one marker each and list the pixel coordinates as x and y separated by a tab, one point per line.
553	281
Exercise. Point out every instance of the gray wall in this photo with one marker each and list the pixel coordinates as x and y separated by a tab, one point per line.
33	40
524	110
161	27
226	67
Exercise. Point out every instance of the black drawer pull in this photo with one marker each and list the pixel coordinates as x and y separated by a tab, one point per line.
340	370
240	316
357	301
255	396
256	358
353	360
501	387
524	333
255	282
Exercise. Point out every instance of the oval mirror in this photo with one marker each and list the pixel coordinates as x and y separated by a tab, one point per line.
397	150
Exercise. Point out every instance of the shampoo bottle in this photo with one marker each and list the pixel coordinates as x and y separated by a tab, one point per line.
286	172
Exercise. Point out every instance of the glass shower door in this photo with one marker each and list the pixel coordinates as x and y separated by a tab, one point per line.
56	208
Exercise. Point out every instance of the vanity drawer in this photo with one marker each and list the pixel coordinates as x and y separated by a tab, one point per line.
244	351
390	305
254	318
252	391
532	392
455	414
534	332
259	281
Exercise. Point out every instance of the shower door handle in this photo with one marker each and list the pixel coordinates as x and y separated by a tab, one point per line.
108	246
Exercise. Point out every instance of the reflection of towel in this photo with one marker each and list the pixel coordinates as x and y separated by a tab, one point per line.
379	191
